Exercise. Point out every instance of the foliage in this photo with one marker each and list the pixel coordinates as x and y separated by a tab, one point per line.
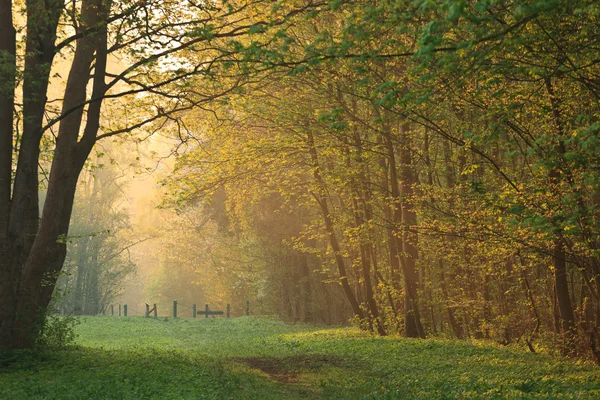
436	157
427	168
57	332
119	55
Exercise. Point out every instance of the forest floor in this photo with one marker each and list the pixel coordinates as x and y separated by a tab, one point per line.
261	358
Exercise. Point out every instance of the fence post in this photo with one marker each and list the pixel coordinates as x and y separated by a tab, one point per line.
147	310
119	310
125	310
174	308
207	311
247	307
194	311
228	310
155	312
112	310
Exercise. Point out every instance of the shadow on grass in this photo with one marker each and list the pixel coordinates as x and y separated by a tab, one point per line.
288	369
325	364
140	374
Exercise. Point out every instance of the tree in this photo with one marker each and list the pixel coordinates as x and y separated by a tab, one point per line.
148	36
98	245
484	120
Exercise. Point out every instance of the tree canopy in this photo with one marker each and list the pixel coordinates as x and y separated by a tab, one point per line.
423	167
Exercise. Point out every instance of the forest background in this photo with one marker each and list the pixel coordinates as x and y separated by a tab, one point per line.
423	168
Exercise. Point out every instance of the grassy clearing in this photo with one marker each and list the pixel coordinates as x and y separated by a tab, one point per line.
258	358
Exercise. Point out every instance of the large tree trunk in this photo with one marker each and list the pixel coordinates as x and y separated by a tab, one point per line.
37	249
7	93
20	222
45	261
8	269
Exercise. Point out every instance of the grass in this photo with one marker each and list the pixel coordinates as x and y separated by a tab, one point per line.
261	358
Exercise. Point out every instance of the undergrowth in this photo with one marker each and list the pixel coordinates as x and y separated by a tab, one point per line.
259	358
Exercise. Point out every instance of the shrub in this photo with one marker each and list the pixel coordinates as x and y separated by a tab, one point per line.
57	332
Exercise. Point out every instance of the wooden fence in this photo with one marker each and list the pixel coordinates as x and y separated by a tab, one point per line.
153	311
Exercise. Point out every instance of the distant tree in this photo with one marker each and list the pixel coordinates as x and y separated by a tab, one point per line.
98	246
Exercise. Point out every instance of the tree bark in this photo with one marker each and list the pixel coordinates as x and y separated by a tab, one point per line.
47	254
7	93
42	23
19	218
8	269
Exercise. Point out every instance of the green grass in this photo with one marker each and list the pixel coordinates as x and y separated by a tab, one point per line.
261	358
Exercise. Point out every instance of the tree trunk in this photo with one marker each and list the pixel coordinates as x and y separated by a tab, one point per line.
20	222
81	264
565	306
394	215
409	242
7	93
9	270
92	298
329	228
365	245
457	328
559	254
41	251
87	260
449	174
305	289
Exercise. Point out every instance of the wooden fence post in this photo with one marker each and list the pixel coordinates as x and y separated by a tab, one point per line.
247	307
155	311
207	311
194	311
125	310
228	310
119	310
147	310
112	310
174	308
